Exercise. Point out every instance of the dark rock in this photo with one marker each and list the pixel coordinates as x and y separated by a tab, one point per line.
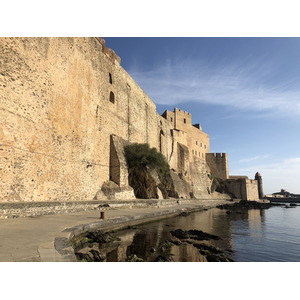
193	234
134	258
163	258
167	187
97	256
199	234
229	250
246	205
218	258
212	258
175	242
100	237
180	234
90	255
211	249
142	182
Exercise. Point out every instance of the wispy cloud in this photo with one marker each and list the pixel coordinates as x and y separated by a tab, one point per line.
251	159
241	85
282	174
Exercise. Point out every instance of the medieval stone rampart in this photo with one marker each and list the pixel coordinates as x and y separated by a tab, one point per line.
60	101
67	108
218	163
243	188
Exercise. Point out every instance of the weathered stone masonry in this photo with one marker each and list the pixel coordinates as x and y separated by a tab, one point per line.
62	102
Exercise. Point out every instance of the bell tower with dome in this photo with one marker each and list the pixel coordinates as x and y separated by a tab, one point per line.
260	185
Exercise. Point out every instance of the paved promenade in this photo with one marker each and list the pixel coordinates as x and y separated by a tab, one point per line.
45	238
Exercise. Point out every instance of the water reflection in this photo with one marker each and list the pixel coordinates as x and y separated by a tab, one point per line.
246	235
149	241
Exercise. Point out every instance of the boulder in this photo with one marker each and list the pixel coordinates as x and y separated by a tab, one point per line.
114	192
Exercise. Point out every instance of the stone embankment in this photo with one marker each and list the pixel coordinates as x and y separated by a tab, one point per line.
47	237
155	211
33	209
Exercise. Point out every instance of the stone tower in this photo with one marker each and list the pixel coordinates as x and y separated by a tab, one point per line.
260	185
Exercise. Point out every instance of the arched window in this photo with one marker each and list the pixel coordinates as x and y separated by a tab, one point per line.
112	97
110	78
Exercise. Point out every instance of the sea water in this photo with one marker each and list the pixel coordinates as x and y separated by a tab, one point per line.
254	235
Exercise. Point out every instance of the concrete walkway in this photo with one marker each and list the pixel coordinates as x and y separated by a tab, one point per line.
45	238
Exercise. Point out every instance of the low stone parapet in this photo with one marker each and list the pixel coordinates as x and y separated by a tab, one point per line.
34	209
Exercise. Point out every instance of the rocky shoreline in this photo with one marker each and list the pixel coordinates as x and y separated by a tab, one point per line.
91	246
97	246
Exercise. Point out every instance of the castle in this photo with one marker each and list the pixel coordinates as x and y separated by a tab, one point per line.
67	108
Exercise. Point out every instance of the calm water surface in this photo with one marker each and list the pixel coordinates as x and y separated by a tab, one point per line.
248	235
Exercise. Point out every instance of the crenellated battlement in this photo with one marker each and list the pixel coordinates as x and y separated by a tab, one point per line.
218	163
182	111
111	54
217	155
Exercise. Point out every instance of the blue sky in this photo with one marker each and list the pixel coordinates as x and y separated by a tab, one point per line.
244	92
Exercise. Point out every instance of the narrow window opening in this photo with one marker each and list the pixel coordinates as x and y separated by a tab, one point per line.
193	151
112	97
204	146
196	152
196	142
184	120
110	78
171	119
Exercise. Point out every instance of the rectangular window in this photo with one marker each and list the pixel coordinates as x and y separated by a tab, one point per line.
184	120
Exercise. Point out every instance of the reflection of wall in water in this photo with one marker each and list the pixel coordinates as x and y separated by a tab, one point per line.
256	219
145	240
117	251
214	221
187	253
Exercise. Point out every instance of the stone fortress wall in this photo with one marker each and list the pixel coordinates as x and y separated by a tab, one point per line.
67	108
218	164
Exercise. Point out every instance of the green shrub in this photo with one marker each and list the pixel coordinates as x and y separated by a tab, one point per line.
141	155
